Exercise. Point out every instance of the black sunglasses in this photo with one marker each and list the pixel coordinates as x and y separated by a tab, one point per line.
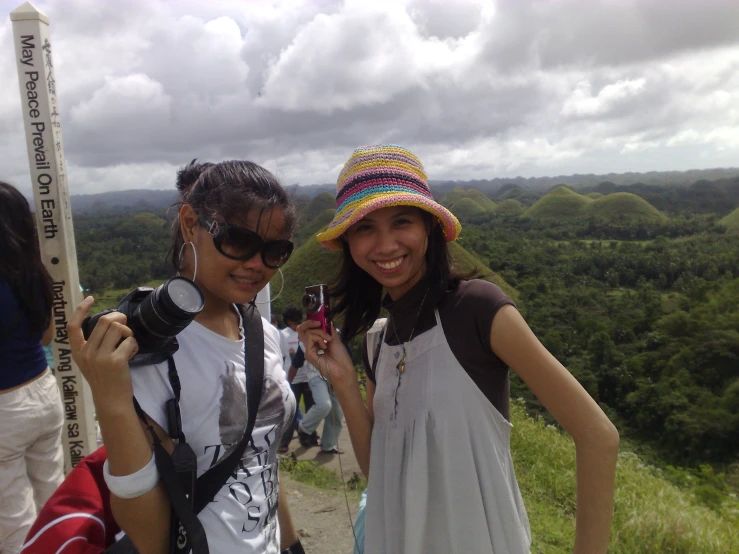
238	243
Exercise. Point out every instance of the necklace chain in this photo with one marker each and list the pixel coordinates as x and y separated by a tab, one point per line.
401	364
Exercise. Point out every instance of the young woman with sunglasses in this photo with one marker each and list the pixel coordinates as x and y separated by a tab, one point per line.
433	436
230	237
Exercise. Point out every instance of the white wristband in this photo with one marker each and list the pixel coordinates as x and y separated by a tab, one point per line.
134	485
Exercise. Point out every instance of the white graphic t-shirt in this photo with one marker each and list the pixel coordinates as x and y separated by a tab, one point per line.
243	515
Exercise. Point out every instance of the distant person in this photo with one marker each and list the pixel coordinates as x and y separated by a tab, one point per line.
31	412
293	317
326	407
433	435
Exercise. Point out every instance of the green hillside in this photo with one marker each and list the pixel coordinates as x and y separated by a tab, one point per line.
487	204
466	208
511	206
651	515
312	264
595	195
562	202
316	205
622	206
454	196
731	221
308	228
466	261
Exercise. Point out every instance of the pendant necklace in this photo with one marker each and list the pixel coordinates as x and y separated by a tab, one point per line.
401	364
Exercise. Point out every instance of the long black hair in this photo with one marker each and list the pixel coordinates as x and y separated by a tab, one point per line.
20	258
228	189
360	296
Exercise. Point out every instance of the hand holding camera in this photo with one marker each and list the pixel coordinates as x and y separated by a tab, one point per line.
103	357
324	349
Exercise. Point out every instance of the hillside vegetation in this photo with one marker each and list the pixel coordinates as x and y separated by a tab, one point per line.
312	264
562	202
651	515
623	205
731	221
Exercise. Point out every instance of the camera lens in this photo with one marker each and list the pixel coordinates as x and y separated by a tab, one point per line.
170	308
310	301
184	296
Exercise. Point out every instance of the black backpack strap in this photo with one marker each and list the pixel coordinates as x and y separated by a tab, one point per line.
212	480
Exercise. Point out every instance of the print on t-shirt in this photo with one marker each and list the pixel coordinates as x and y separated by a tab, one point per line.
243	515
232	420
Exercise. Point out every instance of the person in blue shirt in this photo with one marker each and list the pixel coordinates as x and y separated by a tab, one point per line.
31	413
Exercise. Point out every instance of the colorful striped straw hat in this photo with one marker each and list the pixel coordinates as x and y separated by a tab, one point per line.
377	177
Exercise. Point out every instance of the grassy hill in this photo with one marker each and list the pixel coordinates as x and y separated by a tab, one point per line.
312	264
651	515
466	208
594	195
511	206
560	203
456	195
624	206
731	221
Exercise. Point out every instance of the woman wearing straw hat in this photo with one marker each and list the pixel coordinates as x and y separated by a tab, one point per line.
433	436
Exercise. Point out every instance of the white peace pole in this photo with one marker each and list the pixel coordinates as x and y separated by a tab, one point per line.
53	217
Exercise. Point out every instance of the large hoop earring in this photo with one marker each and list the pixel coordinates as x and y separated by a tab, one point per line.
194	255
282	286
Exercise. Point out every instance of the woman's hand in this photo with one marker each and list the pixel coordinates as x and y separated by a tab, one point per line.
334	364
103	358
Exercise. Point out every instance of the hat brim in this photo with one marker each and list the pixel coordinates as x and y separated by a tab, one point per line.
353	212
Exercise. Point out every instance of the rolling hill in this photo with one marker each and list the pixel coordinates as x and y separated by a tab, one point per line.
466	208
312	264
511	206
560	203
622	206
731	221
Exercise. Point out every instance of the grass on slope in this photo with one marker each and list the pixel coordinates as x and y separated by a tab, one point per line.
466	208
511	206
651	515
731	221
311	264
456	195
624	205
562	202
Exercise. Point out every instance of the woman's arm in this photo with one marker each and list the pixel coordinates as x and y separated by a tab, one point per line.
103	360
336	365
288	535
49	333
596	439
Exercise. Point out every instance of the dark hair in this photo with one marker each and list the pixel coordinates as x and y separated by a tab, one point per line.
228	189
20	258
360	296
292	313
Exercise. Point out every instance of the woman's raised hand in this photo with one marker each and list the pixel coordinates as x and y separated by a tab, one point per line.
103	358
335	364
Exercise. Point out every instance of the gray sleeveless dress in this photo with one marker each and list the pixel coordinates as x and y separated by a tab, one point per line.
441	475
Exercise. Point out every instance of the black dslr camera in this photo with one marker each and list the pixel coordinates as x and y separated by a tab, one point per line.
155	316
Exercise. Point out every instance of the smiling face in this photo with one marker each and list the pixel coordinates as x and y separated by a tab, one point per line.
390	244
225	281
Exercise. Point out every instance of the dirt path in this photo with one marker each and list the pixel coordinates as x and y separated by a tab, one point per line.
320	517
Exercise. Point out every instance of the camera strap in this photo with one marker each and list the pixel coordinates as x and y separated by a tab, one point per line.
185	521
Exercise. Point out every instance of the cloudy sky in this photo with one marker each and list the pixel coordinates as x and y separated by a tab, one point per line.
477	88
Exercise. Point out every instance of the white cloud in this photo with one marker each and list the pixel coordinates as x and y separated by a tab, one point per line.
583	103
478	88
